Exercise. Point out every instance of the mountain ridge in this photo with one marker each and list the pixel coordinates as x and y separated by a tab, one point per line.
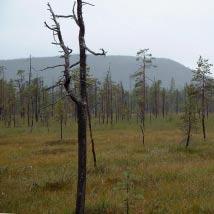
122	67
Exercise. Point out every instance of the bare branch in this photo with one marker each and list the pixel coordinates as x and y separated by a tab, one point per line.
74	14
62	16
103	53
52	104
75	98
75	64
87	3
55	43
66	52
52	67
54	86
51	28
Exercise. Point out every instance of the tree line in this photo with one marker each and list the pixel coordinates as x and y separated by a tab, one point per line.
26	100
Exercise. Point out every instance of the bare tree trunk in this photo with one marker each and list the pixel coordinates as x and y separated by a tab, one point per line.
81	183
189	131
95	99
203	126
163	103
82	124
29	95
207	108
203	111
52	101
143	134
156	101
111	102
144	92
107	100
36	100
32	114
61	118
103	109
177	101
91	135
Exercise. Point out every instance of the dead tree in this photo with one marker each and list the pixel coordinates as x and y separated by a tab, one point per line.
91	133
81	99
29	97
2	98
163	102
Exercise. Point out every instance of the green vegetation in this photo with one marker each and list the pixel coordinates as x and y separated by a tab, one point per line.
38	172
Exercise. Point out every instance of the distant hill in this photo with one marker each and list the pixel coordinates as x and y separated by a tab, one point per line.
121	68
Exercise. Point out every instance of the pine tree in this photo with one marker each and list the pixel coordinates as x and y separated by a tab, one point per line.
189	117
201	79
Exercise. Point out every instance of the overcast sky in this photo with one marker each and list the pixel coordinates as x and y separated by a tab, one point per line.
176	29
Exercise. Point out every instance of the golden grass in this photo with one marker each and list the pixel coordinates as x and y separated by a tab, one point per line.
38	172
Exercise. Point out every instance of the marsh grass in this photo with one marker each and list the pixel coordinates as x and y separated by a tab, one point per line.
38	171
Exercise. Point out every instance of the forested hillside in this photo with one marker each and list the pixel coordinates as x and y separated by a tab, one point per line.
121	68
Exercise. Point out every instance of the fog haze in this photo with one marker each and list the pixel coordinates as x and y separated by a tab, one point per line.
179	30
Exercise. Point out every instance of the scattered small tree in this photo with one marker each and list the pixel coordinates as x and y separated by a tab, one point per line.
145	60
189	117
201	79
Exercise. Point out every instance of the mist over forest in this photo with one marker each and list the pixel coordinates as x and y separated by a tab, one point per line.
122	68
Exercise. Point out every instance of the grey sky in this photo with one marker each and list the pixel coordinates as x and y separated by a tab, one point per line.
176	29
